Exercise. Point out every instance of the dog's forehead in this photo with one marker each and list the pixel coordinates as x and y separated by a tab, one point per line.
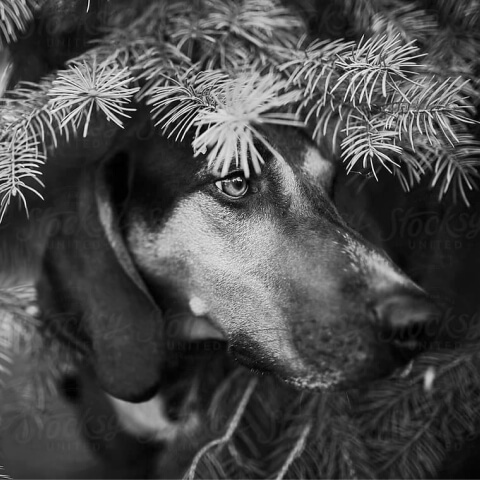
170	170
298	150
294	151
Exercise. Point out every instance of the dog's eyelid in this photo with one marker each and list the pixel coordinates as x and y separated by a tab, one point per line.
235	172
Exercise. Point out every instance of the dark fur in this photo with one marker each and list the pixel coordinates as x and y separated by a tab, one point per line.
295	293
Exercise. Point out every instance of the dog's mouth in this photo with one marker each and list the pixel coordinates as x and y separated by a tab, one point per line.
348	366
255	363
195	329
350	361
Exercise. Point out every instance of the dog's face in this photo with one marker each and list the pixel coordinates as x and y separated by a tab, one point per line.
265	263
270	265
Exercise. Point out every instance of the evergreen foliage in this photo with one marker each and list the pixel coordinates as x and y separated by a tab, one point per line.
395	88
227	68
14	17
402	427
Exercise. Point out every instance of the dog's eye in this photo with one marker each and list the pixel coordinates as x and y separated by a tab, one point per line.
235	186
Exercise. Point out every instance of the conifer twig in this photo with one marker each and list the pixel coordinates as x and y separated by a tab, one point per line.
14	17
224	112
336	86
233	424
84	86
296	451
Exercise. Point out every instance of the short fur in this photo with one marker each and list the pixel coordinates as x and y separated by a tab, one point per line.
146	255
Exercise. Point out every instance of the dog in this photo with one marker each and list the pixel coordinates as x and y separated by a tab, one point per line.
150	248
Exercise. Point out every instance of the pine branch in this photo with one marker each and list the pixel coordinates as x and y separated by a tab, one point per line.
84	86
339	86
27	109
368	141
456	169
407	19
43	359
227	436
224	113
17	326
14	17
34	116
156	65
27	128
192	96
393	18
376	65
231	34
455	45
447	31
429	109
375	99
439	414
401	427
313	66
332	426
20	161
128	38
413	165
5	70
451	169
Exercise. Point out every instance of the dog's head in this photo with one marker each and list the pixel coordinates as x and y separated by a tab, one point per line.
265	263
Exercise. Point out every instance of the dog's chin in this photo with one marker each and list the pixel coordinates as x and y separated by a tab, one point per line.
335	376
328	373
332	381
343	379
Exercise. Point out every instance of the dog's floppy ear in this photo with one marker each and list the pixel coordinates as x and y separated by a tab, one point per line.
91	294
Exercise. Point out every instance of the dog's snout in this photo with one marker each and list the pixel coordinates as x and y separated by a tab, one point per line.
407	321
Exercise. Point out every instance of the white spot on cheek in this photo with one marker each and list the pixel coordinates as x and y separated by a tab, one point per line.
198	307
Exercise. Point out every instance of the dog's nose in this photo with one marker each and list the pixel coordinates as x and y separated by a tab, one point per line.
408	321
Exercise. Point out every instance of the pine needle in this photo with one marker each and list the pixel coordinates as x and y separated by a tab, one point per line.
20	161
429	109
14	17
224	111
314	66
456	169
17	328
83	87
233	424
335	86
368	141
296	451
376	66
232	34
409	20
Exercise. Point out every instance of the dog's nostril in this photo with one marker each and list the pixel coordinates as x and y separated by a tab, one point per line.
407	321
406	342
399	310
